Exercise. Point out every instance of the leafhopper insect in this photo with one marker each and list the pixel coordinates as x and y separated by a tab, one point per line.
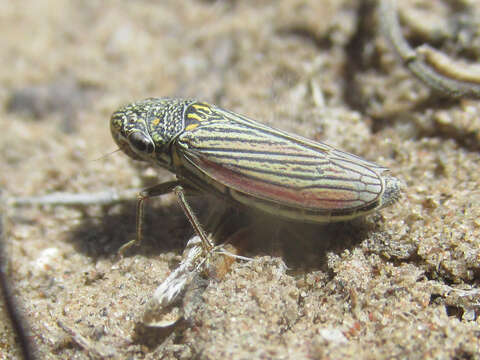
216	151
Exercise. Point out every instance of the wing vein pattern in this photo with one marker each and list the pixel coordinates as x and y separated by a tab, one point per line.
264	163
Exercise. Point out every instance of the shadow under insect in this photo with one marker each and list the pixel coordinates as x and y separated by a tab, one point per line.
301	245
103	234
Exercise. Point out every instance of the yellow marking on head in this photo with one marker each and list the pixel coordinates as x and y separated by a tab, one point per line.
203	106
156	121
191	127
195	117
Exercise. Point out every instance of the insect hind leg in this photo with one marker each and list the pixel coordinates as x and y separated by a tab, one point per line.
192	218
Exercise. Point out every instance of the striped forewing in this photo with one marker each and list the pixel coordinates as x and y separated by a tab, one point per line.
275	166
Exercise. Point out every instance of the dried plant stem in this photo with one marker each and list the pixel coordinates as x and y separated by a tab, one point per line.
109	197
435	70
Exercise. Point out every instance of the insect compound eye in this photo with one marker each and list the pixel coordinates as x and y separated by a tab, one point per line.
141	143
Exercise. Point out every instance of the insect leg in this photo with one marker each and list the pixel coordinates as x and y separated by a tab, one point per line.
180	192
156	190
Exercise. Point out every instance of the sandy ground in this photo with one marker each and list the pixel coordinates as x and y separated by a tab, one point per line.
402	283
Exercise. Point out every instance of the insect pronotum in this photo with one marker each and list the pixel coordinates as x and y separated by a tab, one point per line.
216	151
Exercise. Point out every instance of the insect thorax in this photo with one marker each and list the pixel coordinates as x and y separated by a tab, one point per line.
165	118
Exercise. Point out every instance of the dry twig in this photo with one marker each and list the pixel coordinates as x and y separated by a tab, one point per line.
435	69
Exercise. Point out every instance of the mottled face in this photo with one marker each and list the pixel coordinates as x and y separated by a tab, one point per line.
145	129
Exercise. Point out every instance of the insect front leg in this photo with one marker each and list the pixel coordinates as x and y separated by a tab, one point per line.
156	190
